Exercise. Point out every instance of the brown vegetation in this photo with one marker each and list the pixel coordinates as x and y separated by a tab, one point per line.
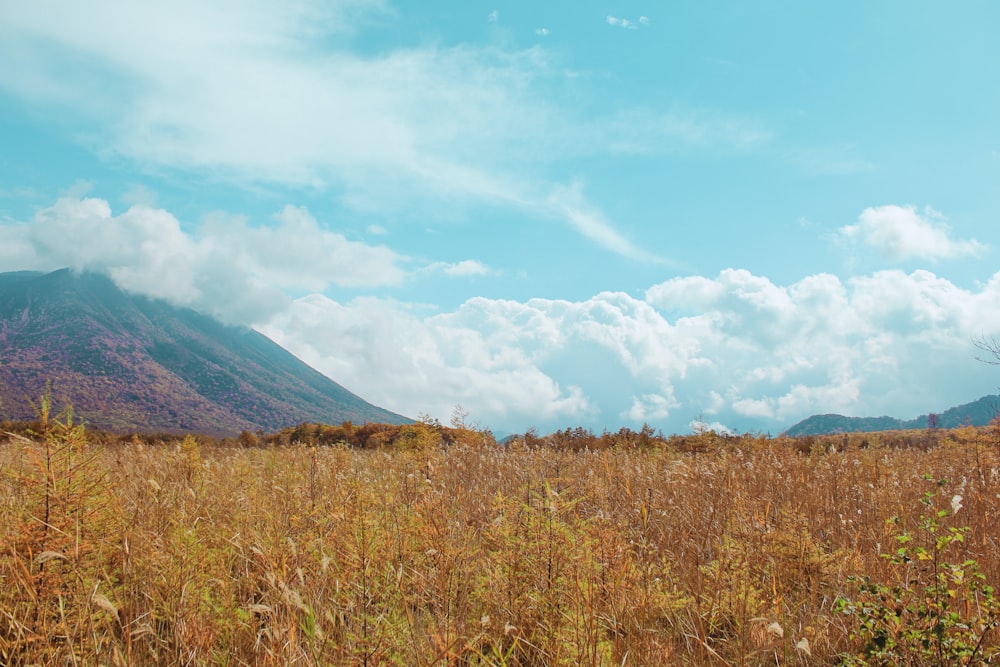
425	545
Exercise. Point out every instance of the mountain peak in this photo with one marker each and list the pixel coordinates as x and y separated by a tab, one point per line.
131	363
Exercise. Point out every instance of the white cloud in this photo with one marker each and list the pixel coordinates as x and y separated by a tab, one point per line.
627	23
17	252
569	203
297	253
542	32
272	93
493	16
394	358
143	248
878	344
650	408
467	267
700	426
688	294
646	132
227	268
737	348
832	159
621	23
140	195
752	407
903	232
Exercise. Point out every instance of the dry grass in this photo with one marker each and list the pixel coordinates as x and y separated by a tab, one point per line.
706	551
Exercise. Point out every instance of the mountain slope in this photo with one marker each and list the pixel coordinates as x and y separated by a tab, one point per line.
126	363
977	413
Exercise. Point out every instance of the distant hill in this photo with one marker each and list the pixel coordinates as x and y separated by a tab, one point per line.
977	413
129	363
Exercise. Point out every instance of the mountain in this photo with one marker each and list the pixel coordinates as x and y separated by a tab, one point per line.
130	363
977	413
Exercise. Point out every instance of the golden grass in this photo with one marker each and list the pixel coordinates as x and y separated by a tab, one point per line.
723	551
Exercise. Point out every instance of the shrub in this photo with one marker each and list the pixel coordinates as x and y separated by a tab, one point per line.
934	610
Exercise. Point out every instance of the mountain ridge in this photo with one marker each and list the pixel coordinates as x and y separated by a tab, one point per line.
975	413
131	363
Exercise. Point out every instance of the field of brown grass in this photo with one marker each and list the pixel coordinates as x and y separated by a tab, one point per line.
435	549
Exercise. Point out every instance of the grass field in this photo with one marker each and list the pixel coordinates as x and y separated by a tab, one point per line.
443	548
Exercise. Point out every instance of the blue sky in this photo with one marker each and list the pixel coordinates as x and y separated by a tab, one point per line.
587	213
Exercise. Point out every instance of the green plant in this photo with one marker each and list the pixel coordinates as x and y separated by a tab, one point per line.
936	610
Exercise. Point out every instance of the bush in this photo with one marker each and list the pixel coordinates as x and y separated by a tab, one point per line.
933	611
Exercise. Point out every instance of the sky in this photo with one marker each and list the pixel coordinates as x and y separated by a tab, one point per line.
608	213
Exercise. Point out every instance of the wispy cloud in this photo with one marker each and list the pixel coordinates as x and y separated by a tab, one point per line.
835	159
648	131
138	194
568	203
464	268
542	32
273	94
621	23
903	232
493	16
630	24
253	95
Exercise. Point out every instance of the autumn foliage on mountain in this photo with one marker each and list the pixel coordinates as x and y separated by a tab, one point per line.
128	363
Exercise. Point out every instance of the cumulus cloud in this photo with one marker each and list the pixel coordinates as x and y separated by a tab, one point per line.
735	351
650	408
874	345
518	364
227	267
297	253
137	248
737	348
425	365
903	232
